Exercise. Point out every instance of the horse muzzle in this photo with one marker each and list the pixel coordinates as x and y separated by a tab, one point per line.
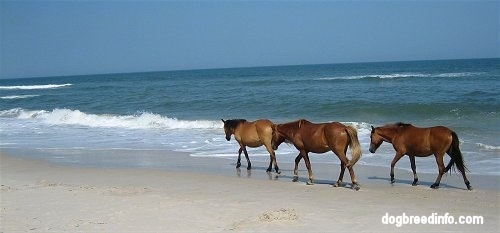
228	138
372	150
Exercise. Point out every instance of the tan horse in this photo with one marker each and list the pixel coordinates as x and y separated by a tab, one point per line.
320	138
252	134
421	142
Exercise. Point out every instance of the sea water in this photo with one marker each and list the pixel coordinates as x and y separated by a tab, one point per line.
181	110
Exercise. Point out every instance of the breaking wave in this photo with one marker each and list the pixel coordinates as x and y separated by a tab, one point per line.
34	87
139	121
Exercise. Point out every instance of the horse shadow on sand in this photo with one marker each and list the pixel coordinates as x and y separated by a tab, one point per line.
274	176
304	180
409	182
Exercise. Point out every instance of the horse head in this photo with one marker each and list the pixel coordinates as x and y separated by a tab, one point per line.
230	126
375	140
385	133
285	132
277	138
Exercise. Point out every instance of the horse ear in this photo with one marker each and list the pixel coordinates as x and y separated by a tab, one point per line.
223	120
373	128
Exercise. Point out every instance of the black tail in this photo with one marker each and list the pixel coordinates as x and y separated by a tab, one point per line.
456	155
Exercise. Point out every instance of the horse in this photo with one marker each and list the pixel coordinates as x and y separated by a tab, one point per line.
421	142
320	138
252	134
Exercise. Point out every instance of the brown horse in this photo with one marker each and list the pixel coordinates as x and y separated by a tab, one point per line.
252	134
320	138
421	142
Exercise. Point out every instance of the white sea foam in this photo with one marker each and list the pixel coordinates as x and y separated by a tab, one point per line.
404	75
488	147
11	97
459	74
34	87
20	128
140	121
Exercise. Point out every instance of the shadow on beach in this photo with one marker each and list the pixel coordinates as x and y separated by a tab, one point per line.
420	183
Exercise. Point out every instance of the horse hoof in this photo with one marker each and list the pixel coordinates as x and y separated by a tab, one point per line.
356	187
414	184
238	165
268	170
338	184
279	172
393	181
249	168
434	186
309	182
469	187
295	179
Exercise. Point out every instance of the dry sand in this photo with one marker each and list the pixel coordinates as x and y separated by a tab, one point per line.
38	196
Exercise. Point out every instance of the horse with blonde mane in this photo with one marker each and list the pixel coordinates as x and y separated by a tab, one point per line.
252	134
320	138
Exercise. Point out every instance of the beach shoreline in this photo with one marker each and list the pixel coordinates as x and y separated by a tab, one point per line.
41	196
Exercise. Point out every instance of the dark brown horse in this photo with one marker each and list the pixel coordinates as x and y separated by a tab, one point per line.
320	138
421	142
252	134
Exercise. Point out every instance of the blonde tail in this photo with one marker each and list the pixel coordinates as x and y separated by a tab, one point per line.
354	144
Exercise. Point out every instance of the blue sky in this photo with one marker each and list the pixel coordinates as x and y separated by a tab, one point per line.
52	38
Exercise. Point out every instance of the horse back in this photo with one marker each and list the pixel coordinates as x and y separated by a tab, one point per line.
254	133
322	137
441	137
424	141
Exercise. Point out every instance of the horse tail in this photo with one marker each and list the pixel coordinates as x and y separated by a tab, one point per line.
456	155
354	144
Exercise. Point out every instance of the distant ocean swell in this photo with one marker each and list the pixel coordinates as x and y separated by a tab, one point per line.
405	75
12	97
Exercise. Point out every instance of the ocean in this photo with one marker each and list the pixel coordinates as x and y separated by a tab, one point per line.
68	118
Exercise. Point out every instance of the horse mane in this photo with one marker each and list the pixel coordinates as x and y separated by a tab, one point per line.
402	124
232	124
398	124
302	121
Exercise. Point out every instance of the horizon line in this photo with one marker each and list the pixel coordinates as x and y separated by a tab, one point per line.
246	67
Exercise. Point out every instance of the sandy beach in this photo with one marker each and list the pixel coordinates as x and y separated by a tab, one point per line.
38	196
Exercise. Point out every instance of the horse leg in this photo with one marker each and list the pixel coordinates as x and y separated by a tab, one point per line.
269	168
466	181
414	169
309	170
461	169
343	162
355	184
248	160
339	182
296	169
393	163
272	154
440	163
238	163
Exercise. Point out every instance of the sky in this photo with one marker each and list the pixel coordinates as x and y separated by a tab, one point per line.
57	38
